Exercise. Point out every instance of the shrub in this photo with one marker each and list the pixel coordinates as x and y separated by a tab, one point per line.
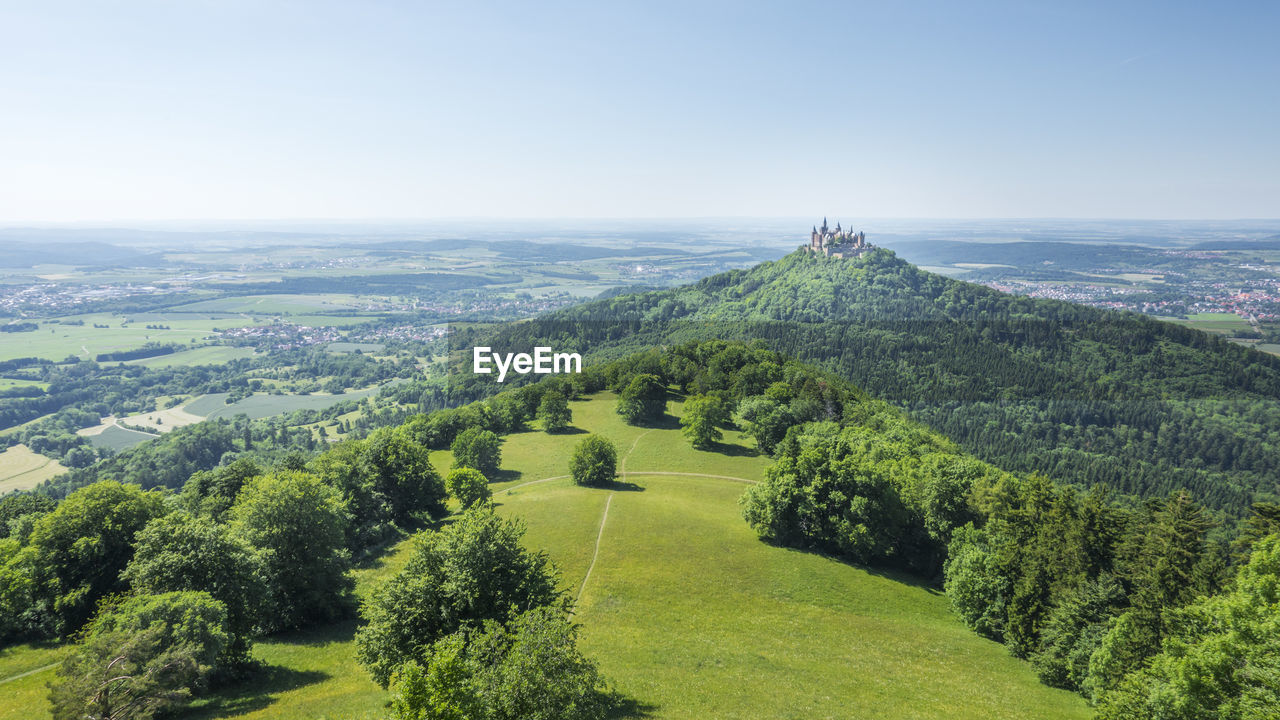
594	461
643	400
478	449
473	570
468	485
554	411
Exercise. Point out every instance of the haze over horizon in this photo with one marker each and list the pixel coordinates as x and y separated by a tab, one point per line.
236	112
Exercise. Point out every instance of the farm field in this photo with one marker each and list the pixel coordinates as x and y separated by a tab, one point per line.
110	435
207	355
686	611
58	340
1223	323
162	421
22	469
274	304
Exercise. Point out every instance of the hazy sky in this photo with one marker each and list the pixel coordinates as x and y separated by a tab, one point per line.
182	109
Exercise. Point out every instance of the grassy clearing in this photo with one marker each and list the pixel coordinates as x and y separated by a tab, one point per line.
9	383
205	405
22	469
693	617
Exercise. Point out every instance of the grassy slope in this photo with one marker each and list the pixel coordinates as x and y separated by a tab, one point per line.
692	616
686	611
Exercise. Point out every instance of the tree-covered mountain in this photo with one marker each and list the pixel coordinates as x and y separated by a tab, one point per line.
1084	395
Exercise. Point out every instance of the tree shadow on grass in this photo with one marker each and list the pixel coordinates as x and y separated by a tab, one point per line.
255	693
571	430
620	486
733	450
904	577
506	476
627	707
666	422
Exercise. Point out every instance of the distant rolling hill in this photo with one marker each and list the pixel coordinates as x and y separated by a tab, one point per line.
1084	395
22	254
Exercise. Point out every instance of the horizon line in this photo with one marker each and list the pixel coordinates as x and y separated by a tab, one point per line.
126	223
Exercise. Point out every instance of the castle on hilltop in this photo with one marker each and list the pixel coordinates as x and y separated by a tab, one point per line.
837	243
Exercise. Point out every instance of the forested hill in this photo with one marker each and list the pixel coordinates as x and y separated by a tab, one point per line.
1084	395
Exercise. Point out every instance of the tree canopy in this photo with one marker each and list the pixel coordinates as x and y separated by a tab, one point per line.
594	461
472	570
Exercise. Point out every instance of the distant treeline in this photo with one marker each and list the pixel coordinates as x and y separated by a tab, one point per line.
388	284
20	327
146	351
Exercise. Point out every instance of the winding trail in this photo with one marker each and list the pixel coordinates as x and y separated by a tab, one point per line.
19	676
622	468
604	516
535	482
594	556
701	475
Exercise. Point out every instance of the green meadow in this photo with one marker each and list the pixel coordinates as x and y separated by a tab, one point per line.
686	611
10	383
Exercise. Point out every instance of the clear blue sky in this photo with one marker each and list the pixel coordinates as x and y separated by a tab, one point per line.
221	109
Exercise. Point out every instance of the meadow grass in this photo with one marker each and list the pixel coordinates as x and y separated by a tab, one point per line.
24	670
692	616
162	421
10	383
